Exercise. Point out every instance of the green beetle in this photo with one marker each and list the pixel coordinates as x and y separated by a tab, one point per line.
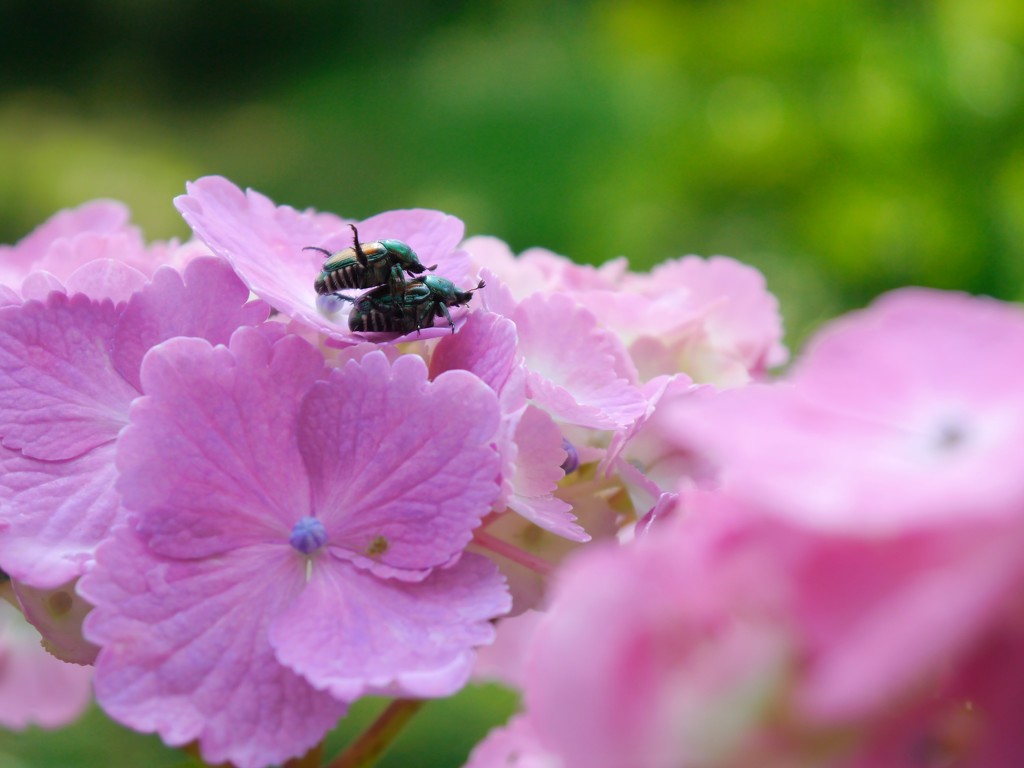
367	265
422	300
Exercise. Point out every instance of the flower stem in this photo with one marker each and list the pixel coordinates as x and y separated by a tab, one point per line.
513	553
364	751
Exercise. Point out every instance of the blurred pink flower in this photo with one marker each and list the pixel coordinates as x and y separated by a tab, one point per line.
513	746
298	542
850	593
91	249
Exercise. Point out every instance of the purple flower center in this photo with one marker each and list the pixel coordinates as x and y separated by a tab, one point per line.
572	457
308	535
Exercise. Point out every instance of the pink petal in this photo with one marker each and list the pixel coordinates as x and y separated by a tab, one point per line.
209	460
832	468
65	257
485	345
207	301
575	368
98	216
39	284
55	514
62	394
536	472
351	632
916	348
264	243
105	279
185	651
513	746
506	659
881	617
58	614
400	462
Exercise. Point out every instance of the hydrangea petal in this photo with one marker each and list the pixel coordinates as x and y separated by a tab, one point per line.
66	257
513	746
39	284
831	467
929	345
55	514
185	651
209	459
105	279
351	632
485	345
98	216
264	243
537	470
62	396
58	614
206	301
574	370
401	468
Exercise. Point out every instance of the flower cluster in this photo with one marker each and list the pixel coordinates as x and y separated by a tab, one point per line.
245	515
842	588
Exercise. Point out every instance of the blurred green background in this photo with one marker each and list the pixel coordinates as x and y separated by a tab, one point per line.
842	147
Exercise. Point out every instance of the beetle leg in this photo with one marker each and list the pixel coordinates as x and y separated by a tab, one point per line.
443	309
397	286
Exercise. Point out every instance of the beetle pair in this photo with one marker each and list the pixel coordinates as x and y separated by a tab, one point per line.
394	304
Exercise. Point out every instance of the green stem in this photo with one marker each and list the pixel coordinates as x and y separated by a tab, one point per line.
364	751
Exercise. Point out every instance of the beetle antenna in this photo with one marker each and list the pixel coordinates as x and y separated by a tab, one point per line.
431	269
360	256
479	285
317	248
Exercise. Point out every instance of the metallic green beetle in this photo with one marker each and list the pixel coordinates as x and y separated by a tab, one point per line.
423	299
367	265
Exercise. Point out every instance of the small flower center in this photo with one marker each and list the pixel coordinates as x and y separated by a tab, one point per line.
308	535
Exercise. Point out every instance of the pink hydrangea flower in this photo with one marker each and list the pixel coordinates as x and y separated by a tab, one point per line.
298	542
69	369
36	688
859	568
712	319
529	441
647	456
265	243
642	661
908	413
92	249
